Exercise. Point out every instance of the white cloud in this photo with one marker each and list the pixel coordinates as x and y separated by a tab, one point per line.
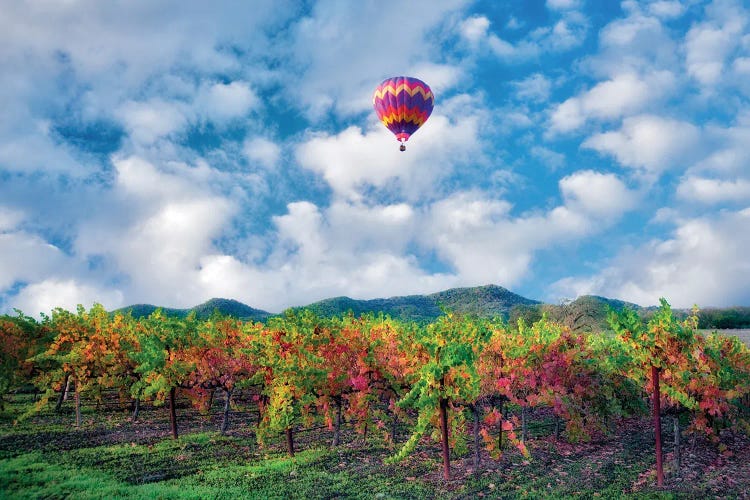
712	191
474	29
601	195
665	9
741	65
440	77
535	88
346	248
263	151
48	294
637	43
25	258
704	262
706	49
568	30
551	159
9	218
360	46
483	242
567	33
148	121
649	142
708	44
126	44
624	94
627	31
353	159
172	223
729	155
34	150
563	4
226	101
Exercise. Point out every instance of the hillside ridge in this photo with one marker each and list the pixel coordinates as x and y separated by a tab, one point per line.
587	312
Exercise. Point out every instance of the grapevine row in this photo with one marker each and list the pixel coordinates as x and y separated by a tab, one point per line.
456	373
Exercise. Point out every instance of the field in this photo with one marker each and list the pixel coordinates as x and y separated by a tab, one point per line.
110	456
743	335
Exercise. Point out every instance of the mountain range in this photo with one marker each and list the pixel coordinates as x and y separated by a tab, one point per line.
588	312
485	301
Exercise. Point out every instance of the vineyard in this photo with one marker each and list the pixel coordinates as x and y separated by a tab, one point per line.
99	405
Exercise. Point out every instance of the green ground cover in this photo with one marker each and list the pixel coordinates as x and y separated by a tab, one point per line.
112	457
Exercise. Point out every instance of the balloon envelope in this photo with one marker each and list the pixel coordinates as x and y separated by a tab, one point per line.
403	104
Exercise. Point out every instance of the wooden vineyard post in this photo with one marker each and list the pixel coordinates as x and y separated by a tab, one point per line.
172	412
227	408
78	403
337	428
290	441
444	432
677	455
475	413
63	391
136	408
657	426
500	432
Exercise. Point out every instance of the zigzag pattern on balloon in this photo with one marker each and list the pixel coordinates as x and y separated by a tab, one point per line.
394	90
414	115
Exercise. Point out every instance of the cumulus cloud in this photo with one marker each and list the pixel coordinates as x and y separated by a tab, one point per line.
263	151
551	159
535	88
638	43
151	120
563	4
160	244
353	159
623	94
703	262
221	101
371	44
666	9
598	194
344	249
708	44
9	218
713	191
26	258
48	294
568	31
728	155
649	142
481	240
474	29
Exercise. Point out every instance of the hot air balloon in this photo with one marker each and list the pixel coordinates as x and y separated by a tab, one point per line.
403	104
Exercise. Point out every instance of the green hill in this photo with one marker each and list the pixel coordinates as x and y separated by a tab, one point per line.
410	308
227	307
587	313
489	300
231	307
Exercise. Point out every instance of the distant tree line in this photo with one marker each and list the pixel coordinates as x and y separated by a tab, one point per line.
589	314
725	318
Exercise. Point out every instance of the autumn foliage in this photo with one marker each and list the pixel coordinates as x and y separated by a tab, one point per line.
461	380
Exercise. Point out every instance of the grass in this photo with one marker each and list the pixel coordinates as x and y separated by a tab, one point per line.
112	457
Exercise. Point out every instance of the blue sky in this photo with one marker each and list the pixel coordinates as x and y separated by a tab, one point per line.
170	152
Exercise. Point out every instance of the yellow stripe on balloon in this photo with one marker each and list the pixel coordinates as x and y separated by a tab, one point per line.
415	118
412	91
